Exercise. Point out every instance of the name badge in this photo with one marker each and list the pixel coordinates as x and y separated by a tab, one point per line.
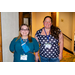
23	57
47	46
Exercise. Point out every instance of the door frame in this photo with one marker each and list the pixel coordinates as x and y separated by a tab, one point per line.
1	58
20	18
53	15
23	15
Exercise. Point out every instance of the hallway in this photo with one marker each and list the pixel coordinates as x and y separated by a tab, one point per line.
68	57
10	23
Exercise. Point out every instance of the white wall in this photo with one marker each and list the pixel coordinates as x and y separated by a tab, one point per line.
66	27
10	28
39	19
74	25
33	23
73	32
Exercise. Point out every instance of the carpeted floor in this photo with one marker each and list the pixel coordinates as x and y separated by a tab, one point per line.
68	57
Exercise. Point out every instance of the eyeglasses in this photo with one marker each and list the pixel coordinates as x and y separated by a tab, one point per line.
47	21
24	29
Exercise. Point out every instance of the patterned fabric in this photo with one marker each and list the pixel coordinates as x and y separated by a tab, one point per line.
53	52
68	57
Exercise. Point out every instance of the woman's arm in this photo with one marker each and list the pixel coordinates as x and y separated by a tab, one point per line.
36	48
36	54
36	57
61	44
12	45
36	39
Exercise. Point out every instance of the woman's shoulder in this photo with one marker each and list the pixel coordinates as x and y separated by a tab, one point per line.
56	28
15	38
33	39
39	30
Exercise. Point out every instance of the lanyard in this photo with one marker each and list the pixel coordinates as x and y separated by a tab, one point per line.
23	48
47	35
22	42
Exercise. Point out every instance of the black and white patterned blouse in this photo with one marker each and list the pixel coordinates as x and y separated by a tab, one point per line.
53	52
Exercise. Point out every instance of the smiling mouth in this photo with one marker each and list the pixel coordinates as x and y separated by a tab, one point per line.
24	33
47	25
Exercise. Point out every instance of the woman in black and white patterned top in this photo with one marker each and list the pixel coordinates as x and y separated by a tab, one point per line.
50	39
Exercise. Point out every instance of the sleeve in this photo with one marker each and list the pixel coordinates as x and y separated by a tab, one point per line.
36	45
58	30
12	45
37	34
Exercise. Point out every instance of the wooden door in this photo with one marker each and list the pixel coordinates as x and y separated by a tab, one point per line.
20	18
53	15
0	40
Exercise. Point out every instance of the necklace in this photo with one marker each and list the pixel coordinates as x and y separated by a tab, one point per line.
25	40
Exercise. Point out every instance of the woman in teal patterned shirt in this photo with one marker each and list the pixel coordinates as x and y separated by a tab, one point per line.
24	47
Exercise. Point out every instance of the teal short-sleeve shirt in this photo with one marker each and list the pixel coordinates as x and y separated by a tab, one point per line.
15	46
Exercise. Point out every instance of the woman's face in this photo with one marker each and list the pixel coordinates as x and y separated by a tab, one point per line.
24	31
47	23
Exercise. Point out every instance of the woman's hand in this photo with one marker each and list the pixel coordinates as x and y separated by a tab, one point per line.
61	44
36	57
60	56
